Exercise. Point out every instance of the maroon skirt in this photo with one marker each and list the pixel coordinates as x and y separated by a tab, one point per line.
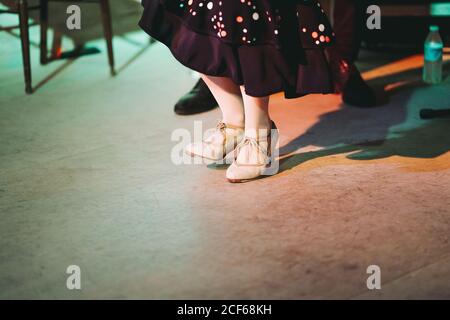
268	46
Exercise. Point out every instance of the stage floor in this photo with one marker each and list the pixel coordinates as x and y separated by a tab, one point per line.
86	179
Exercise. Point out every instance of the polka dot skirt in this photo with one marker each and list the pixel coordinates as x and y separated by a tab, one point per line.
290	34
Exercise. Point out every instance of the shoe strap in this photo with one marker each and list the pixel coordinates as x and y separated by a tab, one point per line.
254	144
231	126
221	127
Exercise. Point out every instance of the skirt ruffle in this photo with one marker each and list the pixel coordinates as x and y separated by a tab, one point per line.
294	64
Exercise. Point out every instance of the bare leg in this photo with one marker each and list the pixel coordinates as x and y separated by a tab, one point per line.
256	112
228	96
228	134
253	155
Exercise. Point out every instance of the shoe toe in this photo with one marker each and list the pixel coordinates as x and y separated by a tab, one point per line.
202	150
238	173
184	107
193	149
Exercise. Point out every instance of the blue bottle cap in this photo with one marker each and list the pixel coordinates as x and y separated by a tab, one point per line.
434	28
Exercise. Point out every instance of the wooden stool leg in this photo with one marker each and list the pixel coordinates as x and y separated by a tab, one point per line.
25	40
107	30
44	28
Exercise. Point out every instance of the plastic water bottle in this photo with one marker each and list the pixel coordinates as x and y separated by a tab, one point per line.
432	70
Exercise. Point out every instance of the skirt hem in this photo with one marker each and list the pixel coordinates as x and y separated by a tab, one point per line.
262	69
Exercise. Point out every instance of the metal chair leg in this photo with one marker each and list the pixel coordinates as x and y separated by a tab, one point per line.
25	41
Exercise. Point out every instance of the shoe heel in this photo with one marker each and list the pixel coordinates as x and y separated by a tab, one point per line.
273	152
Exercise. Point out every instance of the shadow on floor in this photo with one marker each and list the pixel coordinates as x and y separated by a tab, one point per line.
376	133
125	17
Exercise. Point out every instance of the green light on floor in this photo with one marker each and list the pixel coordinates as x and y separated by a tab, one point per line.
440	9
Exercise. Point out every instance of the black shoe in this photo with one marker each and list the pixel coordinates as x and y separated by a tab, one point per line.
357	92
199	99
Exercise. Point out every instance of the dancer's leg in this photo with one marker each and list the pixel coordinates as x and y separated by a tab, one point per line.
229	134
256	112
254	153
228	96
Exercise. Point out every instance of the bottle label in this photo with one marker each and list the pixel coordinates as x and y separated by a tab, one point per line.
433	52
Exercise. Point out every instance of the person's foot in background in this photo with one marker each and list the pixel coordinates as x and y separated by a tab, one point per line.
198	100
357	92
348	81
349	21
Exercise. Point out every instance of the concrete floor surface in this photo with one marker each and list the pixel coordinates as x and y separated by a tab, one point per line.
86	179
